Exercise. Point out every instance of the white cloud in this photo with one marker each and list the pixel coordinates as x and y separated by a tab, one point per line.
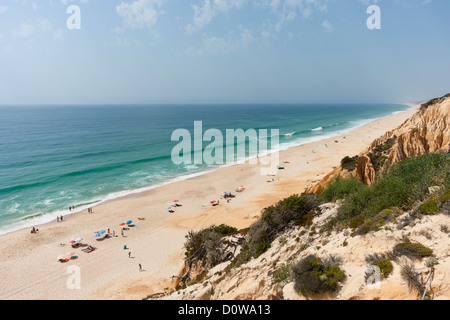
204	14
25	30
288	10
369	2
66	2
140	13
327	27
235	40
43	24
59	34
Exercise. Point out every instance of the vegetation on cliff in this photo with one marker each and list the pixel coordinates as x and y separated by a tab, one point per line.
294	210
402	186
313	275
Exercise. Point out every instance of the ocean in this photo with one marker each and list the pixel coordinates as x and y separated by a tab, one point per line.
55	157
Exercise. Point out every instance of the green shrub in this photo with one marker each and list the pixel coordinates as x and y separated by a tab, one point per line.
445	197
433	101
313	276
377	221
275	219
348	163
412	250
356	222
204	247
385	266
282	273
429	207
401	186
340	188
225	230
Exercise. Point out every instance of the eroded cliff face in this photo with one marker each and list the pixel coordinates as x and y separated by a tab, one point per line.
426	131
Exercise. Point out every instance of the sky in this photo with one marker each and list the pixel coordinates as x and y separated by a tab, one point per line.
222	51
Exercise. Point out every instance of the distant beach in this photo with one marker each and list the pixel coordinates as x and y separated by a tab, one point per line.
154	237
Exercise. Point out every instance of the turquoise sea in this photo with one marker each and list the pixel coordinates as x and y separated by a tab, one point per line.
54	157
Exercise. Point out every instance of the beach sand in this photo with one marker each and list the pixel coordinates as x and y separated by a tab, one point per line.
28	262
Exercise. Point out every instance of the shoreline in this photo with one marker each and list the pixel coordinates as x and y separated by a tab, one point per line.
28	261
40	219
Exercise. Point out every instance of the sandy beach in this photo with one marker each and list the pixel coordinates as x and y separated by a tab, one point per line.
28	262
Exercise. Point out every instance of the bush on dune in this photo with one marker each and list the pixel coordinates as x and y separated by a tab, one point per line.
412	250
401	186
294	210
340	188
313	275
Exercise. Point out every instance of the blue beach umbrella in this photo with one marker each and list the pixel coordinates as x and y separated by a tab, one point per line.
96	234
129	222
102	231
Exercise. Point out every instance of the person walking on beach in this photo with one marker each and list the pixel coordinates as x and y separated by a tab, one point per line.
129	254
140	267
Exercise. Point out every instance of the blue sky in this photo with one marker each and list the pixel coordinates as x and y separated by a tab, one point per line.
225	51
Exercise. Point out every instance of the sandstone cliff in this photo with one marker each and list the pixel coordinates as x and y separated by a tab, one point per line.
426	131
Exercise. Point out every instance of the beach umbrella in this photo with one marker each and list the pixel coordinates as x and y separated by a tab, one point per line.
169	207
102	231
175	200
97	234
122	224
212	201
129	222
78	239
72	241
